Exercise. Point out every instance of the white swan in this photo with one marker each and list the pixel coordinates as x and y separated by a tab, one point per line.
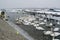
17	19
50	24
32	23
56	29
41	23
55	39
45	20
40	28
40	18
26	22
47	32
36	25
58	22
55	34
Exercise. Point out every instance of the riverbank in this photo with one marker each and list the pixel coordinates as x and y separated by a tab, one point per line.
8	33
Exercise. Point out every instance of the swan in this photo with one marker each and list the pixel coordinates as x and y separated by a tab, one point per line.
56	29
50	24
45	20
58	22
47	32
40	28
36	25
55	34
55	39
41	23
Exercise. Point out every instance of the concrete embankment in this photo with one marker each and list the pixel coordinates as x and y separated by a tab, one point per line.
21	31
9	33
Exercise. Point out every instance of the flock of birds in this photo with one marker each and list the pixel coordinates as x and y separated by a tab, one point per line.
37	21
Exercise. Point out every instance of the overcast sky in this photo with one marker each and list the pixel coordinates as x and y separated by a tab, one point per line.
29	3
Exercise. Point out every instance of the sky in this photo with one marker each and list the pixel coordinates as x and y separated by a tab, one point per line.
29	4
